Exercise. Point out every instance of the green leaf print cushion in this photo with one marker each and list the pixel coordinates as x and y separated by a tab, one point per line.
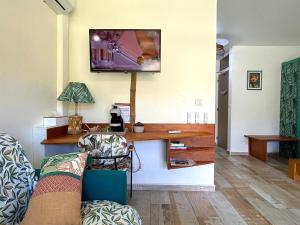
108	213
70	164
16	180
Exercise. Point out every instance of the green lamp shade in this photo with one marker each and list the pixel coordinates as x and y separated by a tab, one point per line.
76	92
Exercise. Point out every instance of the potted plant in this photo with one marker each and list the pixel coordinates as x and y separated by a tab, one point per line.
138	127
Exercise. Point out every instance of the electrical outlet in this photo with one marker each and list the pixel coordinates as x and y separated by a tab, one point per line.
198	102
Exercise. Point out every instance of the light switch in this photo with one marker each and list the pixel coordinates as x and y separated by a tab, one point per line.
198	102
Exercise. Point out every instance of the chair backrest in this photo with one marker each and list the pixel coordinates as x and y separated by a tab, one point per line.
103	145
16	180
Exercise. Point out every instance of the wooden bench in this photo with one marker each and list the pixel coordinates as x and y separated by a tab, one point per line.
257	144
258	149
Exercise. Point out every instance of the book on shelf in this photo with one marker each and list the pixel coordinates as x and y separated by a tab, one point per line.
178	147
182	162
177	144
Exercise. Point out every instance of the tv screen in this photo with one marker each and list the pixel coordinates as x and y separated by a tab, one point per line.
125	50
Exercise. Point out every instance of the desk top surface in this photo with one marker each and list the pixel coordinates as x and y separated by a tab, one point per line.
272	138
146	136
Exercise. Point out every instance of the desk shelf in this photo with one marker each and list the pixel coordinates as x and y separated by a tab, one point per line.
199	137
200	151
197	164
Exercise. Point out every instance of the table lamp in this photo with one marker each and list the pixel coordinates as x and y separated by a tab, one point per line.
78	93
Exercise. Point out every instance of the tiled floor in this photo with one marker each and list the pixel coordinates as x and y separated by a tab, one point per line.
248	191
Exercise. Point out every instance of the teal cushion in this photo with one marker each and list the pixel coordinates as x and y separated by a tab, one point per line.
105	185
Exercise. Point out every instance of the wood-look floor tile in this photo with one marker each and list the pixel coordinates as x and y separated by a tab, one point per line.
204	211
141	201
156	212
176	217
267	197
160	197
244	208
273	215
248	191
184	209
221	181
225	210
169	214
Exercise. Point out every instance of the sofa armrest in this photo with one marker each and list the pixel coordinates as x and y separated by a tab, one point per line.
105	185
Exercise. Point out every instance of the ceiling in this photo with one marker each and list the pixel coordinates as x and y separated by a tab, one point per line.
259	22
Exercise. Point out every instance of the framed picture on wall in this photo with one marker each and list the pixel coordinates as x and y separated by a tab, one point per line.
254	80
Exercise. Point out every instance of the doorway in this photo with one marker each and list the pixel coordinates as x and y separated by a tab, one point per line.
222	108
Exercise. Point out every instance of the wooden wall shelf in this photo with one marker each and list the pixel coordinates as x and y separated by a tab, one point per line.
200	139
201	149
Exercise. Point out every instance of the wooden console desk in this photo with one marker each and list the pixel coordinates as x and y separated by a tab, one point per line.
199	138
257	144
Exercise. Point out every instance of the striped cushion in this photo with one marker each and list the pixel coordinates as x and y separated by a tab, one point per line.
57	197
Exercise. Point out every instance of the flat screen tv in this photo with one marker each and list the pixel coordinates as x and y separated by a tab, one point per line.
125	50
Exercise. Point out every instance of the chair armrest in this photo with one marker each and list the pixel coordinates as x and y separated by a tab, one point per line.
105	185
37	173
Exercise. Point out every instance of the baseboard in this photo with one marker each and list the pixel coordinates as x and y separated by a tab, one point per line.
273	153
246	153
238	153
162	187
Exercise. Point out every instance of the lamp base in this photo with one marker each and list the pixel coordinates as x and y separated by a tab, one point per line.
75	124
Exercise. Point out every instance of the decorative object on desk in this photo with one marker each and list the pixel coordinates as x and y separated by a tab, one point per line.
125	111
75	124
78	93
96	129
93	129
55	121
138	127
254	80
116	122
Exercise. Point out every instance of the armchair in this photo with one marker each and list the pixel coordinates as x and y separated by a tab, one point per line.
107	151
103	191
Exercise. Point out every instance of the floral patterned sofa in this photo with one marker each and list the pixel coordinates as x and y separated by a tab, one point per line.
18	179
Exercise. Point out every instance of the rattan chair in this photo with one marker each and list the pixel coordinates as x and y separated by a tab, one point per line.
107	151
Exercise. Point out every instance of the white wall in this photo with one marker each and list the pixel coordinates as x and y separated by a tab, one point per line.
188	57
256	112
27	67
188	66
154	168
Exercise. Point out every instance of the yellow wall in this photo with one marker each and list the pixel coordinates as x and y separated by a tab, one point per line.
188	57
27	67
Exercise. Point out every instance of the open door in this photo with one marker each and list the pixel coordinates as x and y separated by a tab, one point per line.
222	110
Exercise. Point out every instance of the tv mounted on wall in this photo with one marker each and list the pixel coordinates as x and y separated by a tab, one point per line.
125	50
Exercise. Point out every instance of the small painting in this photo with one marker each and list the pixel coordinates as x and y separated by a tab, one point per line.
254	80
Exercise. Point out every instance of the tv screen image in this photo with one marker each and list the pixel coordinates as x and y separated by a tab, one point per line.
125	50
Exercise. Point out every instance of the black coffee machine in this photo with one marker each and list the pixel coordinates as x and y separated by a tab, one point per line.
116	122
